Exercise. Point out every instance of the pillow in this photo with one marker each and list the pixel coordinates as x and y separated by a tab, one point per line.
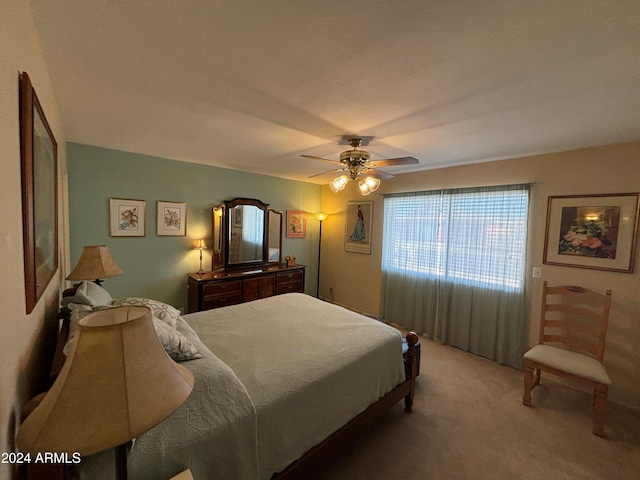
89	293
162	311
174	343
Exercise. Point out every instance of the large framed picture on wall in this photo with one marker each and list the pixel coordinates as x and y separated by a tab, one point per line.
358	226
592	231
39	152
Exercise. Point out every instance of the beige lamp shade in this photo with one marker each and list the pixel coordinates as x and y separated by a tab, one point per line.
95	262
201	244
321	216
117	383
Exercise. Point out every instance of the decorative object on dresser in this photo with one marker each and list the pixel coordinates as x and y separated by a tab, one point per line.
116	384
171	219
94	264
39	156
220	288
200	245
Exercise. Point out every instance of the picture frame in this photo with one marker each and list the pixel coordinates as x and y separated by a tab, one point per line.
171	219
592	231
39	162
358	227
127	217
296	224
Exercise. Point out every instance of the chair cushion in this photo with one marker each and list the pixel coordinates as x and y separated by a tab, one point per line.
570	362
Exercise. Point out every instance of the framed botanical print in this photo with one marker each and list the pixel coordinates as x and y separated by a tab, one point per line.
296	224
39	157
592	231
171	219
358	225
127	218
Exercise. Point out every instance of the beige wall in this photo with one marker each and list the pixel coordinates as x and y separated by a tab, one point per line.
20	334
355	278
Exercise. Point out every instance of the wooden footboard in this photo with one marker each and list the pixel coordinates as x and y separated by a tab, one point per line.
342	438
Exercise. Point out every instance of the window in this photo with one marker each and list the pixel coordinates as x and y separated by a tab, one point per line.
475	236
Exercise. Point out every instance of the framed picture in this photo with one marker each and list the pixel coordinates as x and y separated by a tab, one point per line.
592	231
172	219
296	224
127	218
39	157
358	225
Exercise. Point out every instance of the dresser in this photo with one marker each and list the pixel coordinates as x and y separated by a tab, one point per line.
220	288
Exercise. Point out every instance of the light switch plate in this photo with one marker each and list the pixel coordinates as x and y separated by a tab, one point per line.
537	272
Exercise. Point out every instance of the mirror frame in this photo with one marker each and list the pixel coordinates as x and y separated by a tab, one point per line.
225	229
218	246
272	214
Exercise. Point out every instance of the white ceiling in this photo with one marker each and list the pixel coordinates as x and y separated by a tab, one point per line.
251	85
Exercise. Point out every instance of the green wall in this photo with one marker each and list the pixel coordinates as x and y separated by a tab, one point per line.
156	267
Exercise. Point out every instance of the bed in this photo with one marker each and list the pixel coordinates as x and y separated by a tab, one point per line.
281	383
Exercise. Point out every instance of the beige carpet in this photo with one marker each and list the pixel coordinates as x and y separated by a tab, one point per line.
469	423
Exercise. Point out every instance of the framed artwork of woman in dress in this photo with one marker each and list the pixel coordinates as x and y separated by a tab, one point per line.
359	221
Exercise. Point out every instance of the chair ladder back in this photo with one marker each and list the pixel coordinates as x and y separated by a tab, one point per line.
579	327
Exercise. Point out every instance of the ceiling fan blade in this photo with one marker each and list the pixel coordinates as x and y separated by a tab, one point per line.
395	161
320	158
325	173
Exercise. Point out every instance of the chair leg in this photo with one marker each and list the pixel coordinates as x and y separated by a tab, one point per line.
528	383
600	407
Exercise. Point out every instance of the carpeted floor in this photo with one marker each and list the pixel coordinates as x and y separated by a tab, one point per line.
469	423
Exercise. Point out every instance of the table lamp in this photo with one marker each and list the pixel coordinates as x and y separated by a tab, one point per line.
117	383
200	245
95	263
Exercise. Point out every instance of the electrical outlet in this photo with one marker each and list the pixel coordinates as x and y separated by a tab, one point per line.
537	272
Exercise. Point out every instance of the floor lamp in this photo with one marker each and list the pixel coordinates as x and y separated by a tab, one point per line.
321	217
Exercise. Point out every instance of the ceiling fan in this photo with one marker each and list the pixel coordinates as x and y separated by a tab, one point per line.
357	165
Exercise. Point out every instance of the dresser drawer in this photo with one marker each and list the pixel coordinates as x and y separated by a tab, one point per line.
231	287
286	277
290	287
209	302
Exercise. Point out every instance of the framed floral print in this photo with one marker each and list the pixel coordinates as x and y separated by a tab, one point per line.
592	231
296	224
39	157
172	219
358	224
127	217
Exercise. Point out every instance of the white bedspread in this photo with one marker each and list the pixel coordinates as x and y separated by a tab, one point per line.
309	367
213	432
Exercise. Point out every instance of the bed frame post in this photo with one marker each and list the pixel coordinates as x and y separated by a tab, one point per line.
411	370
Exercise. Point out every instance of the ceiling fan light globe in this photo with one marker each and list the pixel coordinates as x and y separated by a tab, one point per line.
364	188
372	183
338	183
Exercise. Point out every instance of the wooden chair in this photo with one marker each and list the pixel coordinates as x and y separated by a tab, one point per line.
573	327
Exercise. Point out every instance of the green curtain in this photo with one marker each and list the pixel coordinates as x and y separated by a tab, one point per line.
453	267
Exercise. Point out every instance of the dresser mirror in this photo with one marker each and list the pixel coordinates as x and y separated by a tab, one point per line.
274	247
241	234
